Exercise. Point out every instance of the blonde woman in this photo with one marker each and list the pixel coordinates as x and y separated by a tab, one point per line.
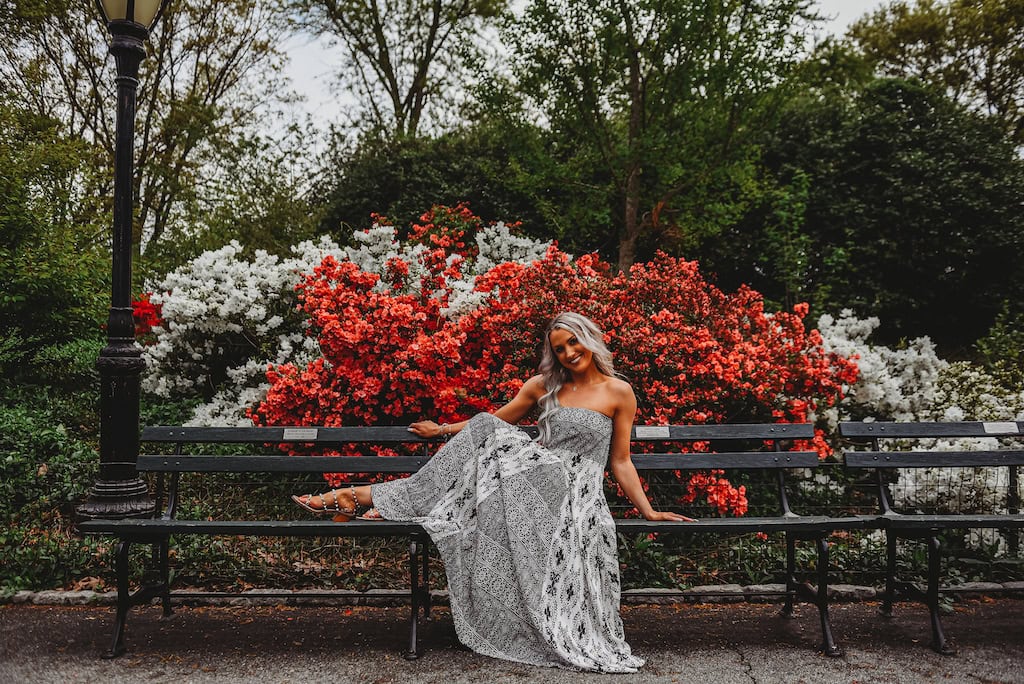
522	526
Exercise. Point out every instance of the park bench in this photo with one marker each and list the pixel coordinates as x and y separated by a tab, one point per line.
928	526
157	531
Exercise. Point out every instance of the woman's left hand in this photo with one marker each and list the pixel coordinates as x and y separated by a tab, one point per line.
668	515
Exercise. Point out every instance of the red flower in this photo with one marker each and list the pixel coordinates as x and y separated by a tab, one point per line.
693	353
147	316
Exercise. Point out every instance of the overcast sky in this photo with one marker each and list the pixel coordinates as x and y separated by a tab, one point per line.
313	62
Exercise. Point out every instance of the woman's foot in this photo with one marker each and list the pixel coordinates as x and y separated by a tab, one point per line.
344	504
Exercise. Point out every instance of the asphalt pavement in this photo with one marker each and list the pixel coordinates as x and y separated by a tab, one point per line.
704	643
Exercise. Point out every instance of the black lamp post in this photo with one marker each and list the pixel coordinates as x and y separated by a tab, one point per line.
118	492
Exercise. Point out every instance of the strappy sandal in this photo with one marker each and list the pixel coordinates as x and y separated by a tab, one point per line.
340	514
372	515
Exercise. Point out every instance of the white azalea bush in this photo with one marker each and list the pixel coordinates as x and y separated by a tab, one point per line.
913	384
892	384
226	317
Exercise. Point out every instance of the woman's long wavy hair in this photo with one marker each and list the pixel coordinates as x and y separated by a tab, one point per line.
555	375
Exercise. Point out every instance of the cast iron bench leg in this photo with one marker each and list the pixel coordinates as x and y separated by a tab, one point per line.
123	601
890	573
414	581
787	607
939	644
165	576
426	580
828	644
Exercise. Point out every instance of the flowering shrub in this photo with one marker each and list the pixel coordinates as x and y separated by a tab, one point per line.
893	384
225	318
695	354
914	384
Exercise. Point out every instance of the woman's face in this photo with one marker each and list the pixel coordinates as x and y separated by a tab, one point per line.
569	352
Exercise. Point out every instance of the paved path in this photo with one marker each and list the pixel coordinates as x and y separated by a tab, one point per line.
707	644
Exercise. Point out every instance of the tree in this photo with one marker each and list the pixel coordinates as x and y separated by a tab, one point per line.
53	274
911	214
502	169
210	71
663	97
259	196
405	58
973	49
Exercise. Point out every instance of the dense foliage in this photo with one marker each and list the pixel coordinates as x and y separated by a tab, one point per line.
907	208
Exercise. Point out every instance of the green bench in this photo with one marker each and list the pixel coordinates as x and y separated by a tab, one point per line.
747	440
912	525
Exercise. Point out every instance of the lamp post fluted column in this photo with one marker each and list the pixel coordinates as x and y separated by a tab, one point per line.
118	491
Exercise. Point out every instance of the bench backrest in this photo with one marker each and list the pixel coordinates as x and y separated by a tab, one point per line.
877	433
745	444
325	437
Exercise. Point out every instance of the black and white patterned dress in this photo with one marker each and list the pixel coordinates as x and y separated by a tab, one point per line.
526	538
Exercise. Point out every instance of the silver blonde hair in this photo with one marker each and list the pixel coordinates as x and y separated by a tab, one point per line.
555	375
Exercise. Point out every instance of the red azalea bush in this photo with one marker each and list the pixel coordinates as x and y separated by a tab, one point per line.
693	353
147	317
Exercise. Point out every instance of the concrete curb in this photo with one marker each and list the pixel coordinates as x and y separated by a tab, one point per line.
723	593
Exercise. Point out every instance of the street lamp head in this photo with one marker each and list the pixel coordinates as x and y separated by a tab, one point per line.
143	13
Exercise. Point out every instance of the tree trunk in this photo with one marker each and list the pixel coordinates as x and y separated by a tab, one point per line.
631	207
631	221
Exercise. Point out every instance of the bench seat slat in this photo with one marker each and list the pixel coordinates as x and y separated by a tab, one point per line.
146	528
898	521
809	523
932	459
269	528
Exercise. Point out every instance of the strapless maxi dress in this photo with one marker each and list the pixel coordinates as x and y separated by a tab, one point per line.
527	540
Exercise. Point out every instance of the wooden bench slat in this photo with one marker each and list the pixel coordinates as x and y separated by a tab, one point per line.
734	460
278	464
392	434
727	431
898	521
925	430
272	463
328	528
799	523
932	459
260	528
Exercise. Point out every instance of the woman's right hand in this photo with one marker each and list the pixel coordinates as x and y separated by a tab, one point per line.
426	429
668	515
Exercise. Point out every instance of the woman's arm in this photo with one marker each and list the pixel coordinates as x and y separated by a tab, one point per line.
512	412
621	464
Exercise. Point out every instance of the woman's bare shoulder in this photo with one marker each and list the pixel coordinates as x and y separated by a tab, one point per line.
535	386
620	387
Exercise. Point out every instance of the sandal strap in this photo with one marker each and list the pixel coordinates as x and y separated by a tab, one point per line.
335	505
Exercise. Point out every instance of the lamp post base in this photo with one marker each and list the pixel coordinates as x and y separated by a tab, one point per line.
117	499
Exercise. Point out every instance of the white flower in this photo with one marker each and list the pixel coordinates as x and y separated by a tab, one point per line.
914	384
225	316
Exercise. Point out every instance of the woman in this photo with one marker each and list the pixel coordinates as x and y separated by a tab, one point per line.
523	527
